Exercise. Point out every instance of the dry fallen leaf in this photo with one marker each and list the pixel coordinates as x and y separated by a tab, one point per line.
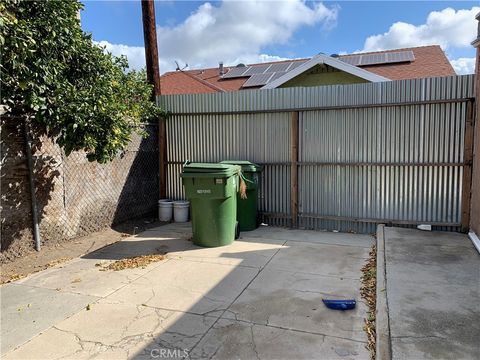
14	277
77	280
368	292
57	262
101	263
132	262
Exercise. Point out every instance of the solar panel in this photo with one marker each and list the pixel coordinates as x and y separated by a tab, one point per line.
370	59
279	67
295	64
246	71
262	79
276	76
257	80
352	60
257	69
382	58
236	72
400	56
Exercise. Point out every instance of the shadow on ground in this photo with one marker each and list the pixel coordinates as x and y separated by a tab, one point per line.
257	298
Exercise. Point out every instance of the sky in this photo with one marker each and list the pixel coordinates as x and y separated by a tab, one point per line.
201	34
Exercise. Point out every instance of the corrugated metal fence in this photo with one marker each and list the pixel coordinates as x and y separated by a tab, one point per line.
342	157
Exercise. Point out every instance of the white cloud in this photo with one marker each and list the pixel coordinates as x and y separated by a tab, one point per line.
134	54
232	32
447	28
238	30
463	65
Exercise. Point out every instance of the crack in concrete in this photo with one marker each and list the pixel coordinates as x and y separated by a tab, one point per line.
296	330
83	342
316	292
320	275
419	337
207	313
215	352
241	292
135	318
231	312
253	343
151	297
124	343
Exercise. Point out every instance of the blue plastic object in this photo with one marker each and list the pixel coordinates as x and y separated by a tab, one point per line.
340	304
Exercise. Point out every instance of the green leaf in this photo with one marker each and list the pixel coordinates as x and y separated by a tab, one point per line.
81	96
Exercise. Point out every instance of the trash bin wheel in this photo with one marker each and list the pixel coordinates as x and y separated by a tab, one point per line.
259	220
237	231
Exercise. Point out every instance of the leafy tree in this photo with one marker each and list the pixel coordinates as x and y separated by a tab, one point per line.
75	92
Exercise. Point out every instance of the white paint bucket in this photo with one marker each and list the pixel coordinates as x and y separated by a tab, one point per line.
180	211
165	210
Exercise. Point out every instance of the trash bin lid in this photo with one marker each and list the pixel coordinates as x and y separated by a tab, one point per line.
209	169
247	166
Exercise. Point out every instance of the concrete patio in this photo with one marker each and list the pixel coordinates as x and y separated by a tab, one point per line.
257	298
433	292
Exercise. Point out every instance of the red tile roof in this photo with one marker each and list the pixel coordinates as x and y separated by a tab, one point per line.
430	61
180	83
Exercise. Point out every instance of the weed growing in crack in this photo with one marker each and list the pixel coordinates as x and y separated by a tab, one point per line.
369	294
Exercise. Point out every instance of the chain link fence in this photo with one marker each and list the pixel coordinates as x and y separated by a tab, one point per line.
75	197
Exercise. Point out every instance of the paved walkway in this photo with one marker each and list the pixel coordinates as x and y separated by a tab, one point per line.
257	298
433	292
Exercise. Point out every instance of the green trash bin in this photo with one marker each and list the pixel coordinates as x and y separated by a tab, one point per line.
247	209
212	191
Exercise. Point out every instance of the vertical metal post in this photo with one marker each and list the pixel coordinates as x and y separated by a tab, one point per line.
467	168
28	150
294	169
153	77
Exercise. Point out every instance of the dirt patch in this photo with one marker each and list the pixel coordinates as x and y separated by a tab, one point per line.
131	262
369	294
55	254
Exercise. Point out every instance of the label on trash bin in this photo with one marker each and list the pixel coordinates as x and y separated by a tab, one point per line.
204	191
218	181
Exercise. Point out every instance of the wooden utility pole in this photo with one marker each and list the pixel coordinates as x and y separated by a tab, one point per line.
294	169
467	167
151	48
153	77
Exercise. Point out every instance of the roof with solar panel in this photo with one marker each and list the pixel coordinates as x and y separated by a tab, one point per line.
382	58
426	61
261	75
